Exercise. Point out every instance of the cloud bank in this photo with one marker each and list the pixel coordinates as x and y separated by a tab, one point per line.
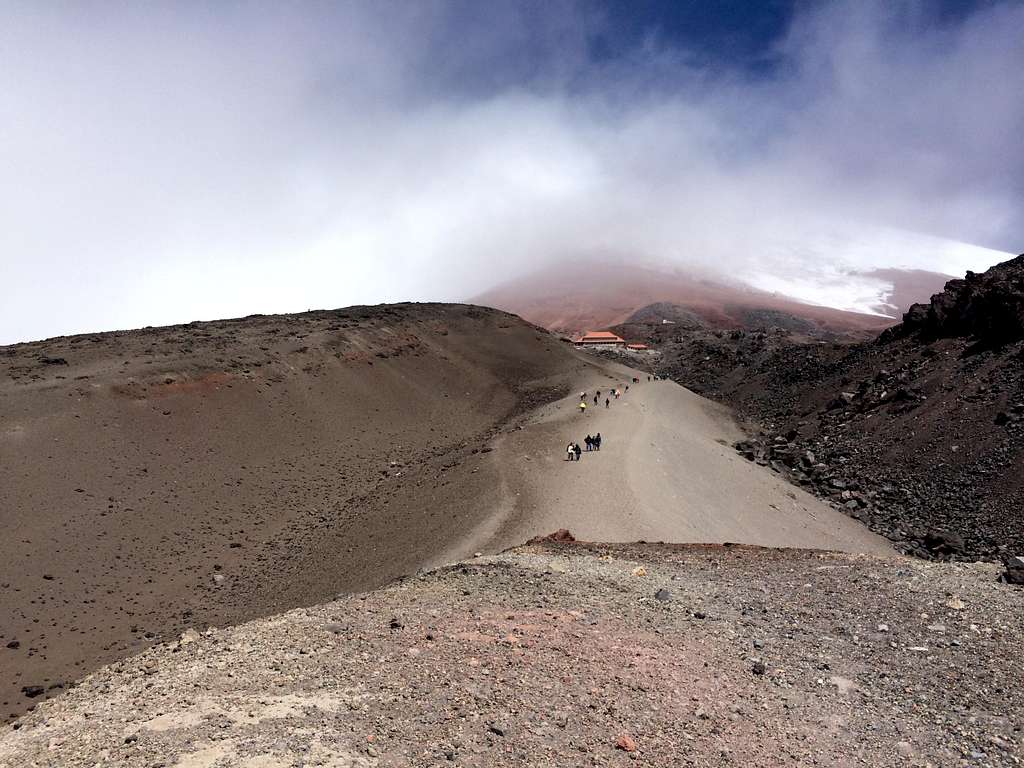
162	164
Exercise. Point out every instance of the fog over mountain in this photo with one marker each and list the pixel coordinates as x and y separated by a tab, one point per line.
164	163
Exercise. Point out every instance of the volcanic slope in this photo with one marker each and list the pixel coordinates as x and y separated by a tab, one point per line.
207	474
163	478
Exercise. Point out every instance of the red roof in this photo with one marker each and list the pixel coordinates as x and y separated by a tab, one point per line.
602	336
636	346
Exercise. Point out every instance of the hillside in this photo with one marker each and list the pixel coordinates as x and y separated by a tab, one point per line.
566	654
165	485
580	296
918	432
202	475
164	478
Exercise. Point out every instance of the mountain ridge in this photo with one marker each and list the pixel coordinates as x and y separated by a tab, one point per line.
598	295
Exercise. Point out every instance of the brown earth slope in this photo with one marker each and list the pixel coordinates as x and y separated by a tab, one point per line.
580	655
205	474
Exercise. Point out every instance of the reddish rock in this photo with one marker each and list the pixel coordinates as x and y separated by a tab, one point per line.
562	535
626	743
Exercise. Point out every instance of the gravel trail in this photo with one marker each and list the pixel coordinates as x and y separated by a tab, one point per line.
666	471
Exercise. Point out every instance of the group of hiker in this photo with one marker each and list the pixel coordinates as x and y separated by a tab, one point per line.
573	450
616	393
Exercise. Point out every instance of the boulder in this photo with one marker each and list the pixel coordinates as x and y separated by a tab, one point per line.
943	543
562	536
1014	573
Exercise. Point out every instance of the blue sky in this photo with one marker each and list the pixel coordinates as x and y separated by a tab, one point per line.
165	162
742	37
722	33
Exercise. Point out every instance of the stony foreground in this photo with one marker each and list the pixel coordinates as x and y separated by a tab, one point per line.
579	655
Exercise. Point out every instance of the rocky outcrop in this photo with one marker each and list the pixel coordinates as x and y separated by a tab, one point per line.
988	307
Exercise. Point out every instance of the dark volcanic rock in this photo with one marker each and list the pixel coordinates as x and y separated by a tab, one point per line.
943	543
1014	573
916	433
988	307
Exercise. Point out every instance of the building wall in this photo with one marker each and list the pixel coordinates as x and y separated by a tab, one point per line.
601	345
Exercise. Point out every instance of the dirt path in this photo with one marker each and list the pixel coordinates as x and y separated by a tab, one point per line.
666	472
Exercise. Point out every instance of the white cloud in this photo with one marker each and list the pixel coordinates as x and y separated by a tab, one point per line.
167	164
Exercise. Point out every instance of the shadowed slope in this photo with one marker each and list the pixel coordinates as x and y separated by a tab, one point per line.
163	478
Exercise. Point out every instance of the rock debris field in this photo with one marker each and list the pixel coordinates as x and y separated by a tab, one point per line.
571	654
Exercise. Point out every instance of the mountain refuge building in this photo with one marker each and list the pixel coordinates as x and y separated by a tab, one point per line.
599	340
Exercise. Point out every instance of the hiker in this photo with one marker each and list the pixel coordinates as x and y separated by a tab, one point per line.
606	401
589	441
583	407
627	387
599	393
569	452
597	441
595	399
578	451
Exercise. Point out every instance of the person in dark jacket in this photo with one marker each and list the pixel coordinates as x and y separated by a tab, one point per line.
578	451
597	441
